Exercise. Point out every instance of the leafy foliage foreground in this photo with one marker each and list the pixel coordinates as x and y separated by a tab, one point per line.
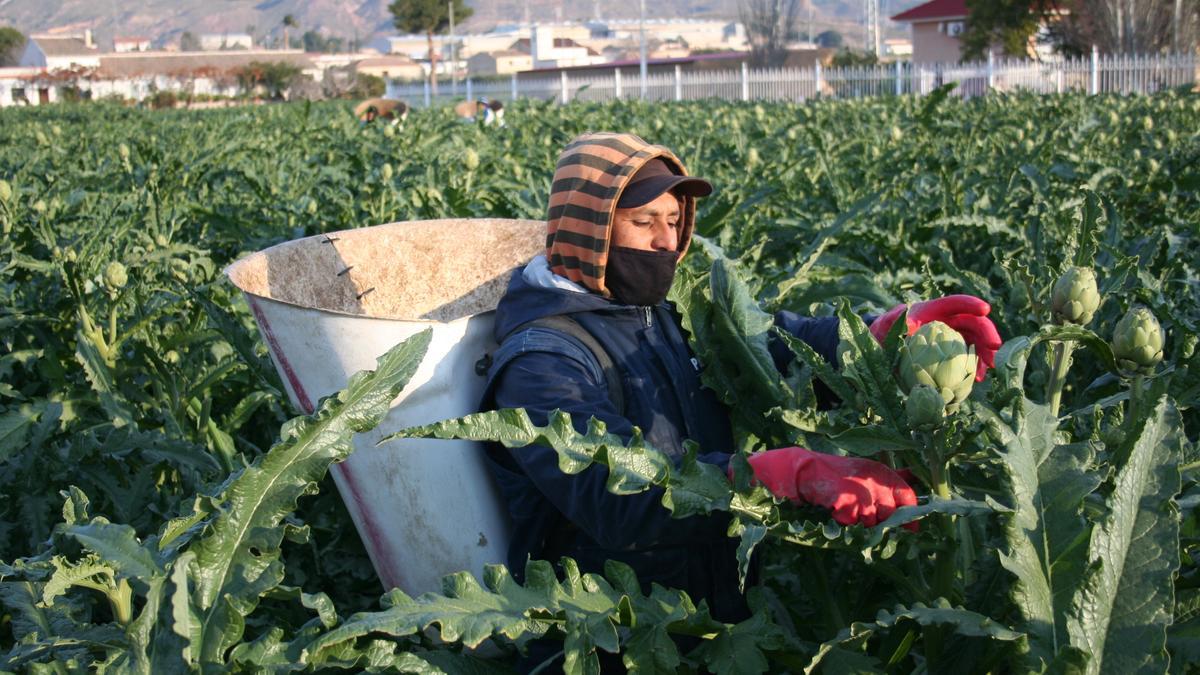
158	513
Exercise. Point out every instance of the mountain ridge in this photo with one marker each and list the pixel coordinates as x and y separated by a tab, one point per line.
163	21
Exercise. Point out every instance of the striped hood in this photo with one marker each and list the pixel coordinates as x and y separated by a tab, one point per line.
589	178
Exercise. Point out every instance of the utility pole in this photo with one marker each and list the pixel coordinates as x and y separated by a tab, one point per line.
871	26
642	26
453	61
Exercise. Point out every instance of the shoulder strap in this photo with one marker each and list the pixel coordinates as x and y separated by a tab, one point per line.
570	327
565	324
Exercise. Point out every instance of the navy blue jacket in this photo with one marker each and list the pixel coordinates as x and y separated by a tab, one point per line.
555	514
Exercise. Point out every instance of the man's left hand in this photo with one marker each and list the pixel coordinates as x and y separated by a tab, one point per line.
966	314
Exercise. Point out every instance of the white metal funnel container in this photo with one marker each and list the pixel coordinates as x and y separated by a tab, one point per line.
328	306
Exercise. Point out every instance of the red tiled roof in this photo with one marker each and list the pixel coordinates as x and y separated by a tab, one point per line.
142	64
934	9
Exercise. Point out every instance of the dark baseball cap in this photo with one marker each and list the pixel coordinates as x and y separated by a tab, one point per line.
655	178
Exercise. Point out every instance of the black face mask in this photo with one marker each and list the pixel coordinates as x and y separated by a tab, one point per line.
637	277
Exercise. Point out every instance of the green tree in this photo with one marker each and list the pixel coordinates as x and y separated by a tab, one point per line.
830	39
368	86
274	77
768	23
289	21
11	42
849	57
428	17
1011	24
188	42
313	41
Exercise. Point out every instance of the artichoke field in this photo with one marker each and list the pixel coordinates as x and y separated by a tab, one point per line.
163	508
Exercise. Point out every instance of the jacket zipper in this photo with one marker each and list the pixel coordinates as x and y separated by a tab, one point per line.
646	313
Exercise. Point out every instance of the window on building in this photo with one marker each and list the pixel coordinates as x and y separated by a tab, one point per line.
954	28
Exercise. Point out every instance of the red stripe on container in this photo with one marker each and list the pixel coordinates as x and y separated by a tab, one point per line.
381	554
269	335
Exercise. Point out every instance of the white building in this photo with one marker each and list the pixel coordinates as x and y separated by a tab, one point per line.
19	86
412	46
551	51
138	75
60	52
122	45
697	33
502	62
212	42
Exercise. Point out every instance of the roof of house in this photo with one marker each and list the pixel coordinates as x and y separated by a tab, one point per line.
624	63
384	61
504	52
53	45
133	64
934	9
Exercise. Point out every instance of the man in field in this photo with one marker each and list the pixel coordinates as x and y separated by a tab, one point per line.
586	329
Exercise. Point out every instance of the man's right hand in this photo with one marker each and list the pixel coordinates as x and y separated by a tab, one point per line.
856	490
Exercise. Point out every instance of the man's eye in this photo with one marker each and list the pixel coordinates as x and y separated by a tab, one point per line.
642	223
673	223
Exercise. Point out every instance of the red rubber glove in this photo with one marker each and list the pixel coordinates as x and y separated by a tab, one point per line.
857	490
966	314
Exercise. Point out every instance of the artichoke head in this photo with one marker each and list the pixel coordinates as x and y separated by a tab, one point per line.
1137	342
925	408
115	276
937	356
1075	296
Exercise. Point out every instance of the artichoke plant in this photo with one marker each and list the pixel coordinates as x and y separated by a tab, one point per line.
1075	296
937	356
1137	342
925	408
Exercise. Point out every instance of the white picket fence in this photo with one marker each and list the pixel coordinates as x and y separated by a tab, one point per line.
1095	74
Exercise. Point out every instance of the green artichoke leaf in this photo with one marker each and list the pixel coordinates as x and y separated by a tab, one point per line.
740	648
1045	531
751	537
691	488
15	424
587	607
163	637
876	540
865	364
118	546
867	441
729	334
1121	614
960	621
100	376
835	380
229	577
43	632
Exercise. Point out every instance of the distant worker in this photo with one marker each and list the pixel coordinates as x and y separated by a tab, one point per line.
493	114
385	109
489	113
467	111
